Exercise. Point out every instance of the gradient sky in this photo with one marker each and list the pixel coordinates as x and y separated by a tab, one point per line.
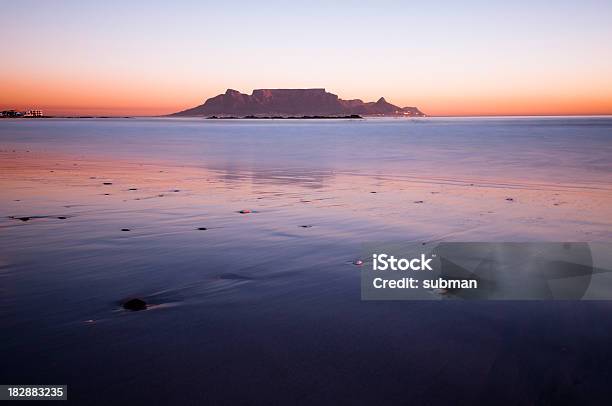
446	57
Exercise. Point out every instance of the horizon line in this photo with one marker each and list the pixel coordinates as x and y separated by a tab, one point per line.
396	117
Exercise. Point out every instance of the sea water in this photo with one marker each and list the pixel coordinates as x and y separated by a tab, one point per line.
243	235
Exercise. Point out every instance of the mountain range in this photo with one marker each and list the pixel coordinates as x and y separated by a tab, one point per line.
292	102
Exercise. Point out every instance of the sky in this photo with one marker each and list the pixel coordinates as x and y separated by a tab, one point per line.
445	57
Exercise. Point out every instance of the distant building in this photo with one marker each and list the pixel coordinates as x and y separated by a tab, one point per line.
33	113
11	113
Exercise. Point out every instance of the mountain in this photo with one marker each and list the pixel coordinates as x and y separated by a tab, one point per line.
292	102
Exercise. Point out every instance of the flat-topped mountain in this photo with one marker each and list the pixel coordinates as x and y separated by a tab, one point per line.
293	102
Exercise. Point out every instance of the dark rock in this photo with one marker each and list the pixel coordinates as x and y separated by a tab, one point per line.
22	218
510	199
202	228
132	188
107	183
306	226
419	201
62	218
245	211
135	305
125	229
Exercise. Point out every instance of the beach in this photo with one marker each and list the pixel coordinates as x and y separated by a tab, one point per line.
242	235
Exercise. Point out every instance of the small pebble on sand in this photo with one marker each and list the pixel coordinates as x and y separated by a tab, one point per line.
244	211
135	305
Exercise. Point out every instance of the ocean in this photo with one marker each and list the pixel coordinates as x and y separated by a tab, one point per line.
242	235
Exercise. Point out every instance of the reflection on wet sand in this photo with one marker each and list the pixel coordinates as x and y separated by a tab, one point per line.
242	274
37	186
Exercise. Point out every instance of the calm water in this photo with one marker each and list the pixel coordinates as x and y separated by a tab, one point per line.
256	305
558	150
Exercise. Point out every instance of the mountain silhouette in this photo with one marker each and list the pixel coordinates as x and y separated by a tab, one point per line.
293	102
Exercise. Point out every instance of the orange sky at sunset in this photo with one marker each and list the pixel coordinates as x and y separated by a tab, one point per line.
510	59
84	97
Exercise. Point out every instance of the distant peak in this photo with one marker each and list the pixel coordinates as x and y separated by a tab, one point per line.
292	103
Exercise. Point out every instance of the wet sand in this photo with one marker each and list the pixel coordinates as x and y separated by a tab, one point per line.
265	304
